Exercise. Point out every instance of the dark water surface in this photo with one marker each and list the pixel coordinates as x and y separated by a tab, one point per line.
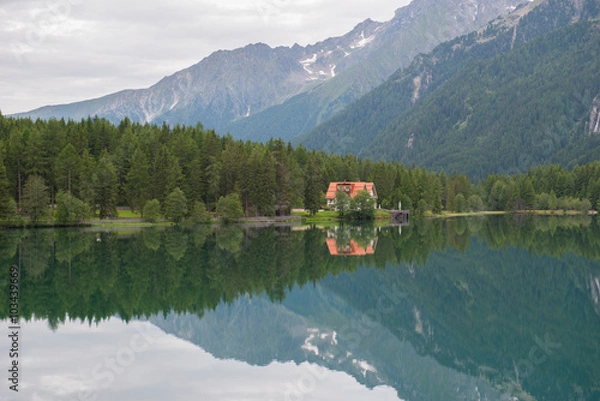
498	308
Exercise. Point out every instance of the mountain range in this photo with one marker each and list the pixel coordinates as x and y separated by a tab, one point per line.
522	91
475	87
258	92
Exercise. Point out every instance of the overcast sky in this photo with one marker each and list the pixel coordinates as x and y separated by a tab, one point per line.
60	51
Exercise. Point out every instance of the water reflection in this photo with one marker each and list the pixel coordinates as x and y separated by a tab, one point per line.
457	309
347	240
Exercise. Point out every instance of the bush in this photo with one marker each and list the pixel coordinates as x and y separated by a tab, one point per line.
152	210
229	208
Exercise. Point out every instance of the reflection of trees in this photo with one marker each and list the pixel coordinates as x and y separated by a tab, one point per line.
9	241
36	248
199	235
152	238
353	239
198	268
229	238
176	242
69	244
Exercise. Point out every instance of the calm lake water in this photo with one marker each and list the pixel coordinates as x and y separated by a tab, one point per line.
499	308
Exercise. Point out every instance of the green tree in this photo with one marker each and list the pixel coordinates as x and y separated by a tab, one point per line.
105	187
586	205
152	210
213	177
422	207
166	173
342	202
552	201
527	193
476	203
363	205
5	196
35	198
198	213
229	208
176	206
460	203
66	168
312	190
69	209
542	201
138	179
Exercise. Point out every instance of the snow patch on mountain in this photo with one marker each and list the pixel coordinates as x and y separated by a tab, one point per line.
363	41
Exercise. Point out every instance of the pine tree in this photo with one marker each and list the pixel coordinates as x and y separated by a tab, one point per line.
312	190
5	196
66	168
138	180
35	198
105	187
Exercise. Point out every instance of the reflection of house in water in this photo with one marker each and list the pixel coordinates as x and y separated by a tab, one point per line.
349	247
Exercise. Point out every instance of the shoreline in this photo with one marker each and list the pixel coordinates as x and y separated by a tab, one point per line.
263	221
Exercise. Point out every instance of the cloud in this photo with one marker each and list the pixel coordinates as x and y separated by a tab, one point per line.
69	50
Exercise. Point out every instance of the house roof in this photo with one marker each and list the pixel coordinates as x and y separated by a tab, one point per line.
355	188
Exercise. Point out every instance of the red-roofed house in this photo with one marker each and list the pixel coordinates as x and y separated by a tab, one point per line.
350	188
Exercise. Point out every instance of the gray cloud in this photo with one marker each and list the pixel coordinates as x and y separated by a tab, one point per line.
62	51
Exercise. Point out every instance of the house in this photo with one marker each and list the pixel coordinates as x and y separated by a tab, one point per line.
350	188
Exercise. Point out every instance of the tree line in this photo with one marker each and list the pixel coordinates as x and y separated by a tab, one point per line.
90	167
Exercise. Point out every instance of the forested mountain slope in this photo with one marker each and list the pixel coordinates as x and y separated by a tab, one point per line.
522	91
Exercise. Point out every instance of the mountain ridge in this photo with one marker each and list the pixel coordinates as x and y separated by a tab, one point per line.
229	86
424	114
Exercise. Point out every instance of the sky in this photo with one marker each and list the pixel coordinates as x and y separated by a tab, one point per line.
62	51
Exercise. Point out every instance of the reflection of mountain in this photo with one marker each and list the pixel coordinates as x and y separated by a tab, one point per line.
313	325
454	328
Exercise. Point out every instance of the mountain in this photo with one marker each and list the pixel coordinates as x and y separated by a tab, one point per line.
521	91
416	28
235	89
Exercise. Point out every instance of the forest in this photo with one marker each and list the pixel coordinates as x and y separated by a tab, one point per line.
90	167
497	100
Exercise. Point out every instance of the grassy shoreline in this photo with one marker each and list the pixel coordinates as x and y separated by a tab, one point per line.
128	219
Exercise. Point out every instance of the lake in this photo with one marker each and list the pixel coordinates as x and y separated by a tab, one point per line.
495	308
